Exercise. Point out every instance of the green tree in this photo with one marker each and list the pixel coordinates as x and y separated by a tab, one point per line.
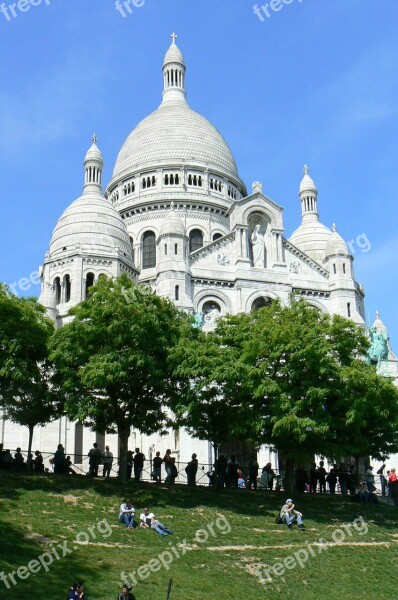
212	406
112	359
293	358
365	414
27	396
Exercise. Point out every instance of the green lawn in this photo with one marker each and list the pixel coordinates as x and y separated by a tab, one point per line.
44	516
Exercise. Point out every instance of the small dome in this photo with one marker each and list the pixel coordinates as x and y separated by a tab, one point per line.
378	324
307	183
336	245
47	297
173	55
312	237
94	153
172	224
92	223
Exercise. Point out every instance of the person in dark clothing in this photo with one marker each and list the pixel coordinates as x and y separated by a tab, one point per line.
253	473
231	479
126	593
59	460
191	469
76	592
95	459
157	468
38	465
332	480
313	478
129	463
322	477
220	467
19	461
343	479
138	461
173	470
301	479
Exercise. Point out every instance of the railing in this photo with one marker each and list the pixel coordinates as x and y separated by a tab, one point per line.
202	475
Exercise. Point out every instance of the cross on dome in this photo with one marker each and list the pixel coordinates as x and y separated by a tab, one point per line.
94	138
174	36
305	169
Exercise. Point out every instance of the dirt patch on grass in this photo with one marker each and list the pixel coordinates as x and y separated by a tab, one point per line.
69	499
289	546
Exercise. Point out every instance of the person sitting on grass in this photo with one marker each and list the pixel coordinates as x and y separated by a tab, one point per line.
148	521
126	593
76	592
126	514
289	515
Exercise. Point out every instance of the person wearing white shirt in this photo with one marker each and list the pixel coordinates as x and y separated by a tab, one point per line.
126	514
148	521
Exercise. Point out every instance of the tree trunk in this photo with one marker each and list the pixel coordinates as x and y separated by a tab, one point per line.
29	461
124	434
356	469
289	476
215	448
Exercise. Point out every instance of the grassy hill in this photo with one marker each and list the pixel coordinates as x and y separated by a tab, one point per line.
221	540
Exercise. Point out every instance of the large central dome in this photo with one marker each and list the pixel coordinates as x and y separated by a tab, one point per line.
171	135
175	134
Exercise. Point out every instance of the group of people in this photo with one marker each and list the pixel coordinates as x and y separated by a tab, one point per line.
76	592
147	519
8	462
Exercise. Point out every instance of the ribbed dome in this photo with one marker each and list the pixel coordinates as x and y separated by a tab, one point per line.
173	55
172	224
307	183
336	245
175	134
312	237
91	221
94	153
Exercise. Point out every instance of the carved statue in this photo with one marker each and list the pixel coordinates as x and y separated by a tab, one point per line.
378	350
198	321
258	248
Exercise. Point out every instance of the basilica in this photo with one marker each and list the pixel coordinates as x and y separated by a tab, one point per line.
177	217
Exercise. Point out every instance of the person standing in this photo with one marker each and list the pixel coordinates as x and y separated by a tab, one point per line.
129	463
191	469
370	479
332	480
322	477
220	467
393	486
94	461
157	468
59	460
232	472
107	460
253	467
167	464
313	478
138	461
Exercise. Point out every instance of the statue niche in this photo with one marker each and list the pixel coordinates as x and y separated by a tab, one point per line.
258	249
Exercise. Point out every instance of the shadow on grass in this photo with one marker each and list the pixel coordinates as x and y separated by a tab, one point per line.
23	575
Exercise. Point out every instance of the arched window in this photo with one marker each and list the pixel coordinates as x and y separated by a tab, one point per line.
89	282
217	236
176	180
166	180
195	240
148	250
177	293
57	290
67	288
260	302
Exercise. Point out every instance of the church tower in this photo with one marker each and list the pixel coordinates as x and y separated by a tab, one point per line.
89	240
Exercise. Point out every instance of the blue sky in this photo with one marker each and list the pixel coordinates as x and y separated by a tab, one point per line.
315	82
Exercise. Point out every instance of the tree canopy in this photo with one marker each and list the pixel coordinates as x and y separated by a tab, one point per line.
26	394
112	359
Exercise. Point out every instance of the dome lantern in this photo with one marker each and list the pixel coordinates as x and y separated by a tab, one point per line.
93	166
174	74
309	198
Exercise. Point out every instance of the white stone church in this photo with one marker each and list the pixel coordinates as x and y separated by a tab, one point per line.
177	217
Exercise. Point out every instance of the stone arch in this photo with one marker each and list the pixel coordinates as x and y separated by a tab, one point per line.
257	296
216	296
